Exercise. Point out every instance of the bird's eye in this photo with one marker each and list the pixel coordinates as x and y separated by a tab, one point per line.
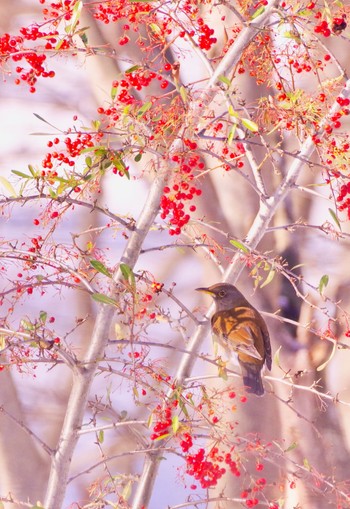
222	293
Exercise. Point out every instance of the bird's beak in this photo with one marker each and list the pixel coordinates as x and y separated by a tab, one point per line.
205	290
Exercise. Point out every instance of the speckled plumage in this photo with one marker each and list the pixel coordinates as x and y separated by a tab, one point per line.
241	329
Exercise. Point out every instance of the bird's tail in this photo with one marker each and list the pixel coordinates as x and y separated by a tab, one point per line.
252	378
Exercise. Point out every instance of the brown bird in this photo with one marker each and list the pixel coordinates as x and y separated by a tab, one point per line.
240	328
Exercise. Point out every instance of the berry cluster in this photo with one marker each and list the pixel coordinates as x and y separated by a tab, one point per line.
250	494
208	469
73	148
338	24
205	39
323	28
345	198
62	9
164	421
12	48
113	11
174	198
186	442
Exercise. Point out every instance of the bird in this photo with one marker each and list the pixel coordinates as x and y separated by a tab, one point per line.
241	329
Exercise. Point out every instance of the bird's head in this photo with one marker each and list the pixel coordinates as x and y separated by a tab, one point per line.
225	295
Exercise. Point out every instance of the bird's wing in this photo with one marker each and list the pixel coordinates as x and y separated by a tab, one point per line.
244	342
237	331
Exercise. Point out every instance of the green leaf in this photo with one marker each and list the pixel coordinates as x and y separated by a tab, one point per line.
84	38
269	278
43	316
144	108
132	69
307	464
78	6
20	174
335	218
231	134
222	371
155	28
276	357
258	12
138	157
183	407
99	149
100	267
250	125
101	436
232	112
32	171
225	80
323	283
291	35
183	94
27	325
8	186
175	424
161	437
127	273
126	491
88	161
114	91
239	245
104	299
291	447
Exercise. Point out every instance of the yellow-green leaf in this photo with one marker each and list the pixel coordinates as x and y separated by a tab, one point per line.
250	125
8	186
97	265
20	174
144	108
175	424
78	6
291	447
225	80
126	491
104	299
132	69
161	437
239	245
127	273
258	12
231	134
183	94
269	278
307	464
323	283
335	218
222	371
150	420
276	357
232	112
155	28
43	316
